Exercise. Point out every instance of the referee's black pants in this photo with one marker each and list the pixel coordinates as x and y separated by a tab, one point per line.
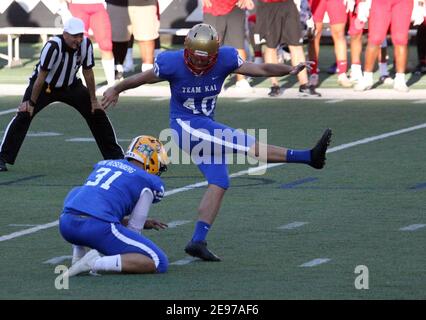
77	96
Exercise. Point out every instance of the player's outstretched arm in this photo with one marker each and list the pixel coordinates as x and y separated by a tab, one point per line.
111	95
271	69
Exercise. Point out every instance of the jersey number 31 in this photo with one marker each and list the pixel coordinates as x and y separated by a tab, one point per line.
101	174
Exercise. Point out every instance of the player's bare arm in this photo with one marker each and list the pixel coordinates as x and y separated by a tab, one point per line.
271	69
111	95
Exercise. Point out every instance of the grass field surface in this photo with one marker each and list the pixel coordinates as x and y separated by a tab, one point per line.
347	215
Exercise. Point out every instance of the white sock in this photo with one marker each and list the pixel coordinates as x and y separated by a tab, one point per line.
146	66
119	68
383	68
400	77
109	70
356	68
368	76
108	263
129	56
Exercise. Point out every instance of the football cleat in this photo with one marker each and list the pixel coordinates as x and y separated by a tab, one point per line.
363	85
307	91
314	80
420	69
199	249
85	264
386	79
318	152
275	91
355	76
400	86
243	86
344	81
150	152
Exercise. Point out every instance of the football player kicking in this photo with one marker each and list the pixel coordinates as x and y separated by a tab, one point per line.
118	193
196	75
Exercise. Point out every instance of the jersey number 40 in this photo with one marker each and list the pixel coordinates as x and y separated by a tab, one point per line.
207	105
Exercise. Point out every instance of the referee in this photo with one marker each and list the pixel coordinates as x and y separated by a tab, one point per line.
54	79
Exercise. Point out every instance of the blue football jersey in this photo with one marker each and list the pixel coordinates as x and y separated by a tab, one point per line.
112	190
193	95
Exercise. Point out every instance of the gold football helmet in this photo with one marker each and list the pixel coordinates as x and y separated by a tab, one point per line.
150	152
201	48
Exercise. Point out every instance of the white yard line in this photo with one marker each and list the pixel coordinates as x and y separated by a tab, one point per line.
185	261
29	231
56	260
315	262
247	100
293	225
8	111
237	174
375	138
160	99
413	227
43	134
174	224
334	101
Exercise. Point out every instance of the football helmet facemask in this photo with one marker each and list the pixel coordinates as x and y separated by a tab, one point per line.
201	48
150	152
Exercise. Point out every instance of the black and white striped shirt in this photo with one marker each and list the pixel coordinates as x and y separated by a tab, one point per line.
63	62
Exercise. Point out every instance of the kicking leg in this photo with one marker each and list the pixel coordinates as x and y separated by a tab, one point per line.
314	157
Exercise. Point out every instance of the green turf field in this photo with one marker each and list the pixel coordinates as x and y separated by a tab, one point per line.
353	209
